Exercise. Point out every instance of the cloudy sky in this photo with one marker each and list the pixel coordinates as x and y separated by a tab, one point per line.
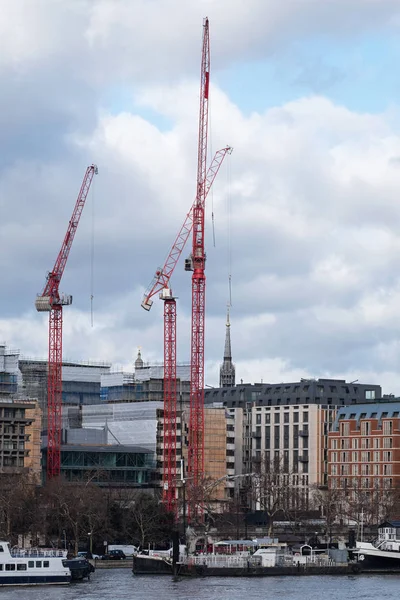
306	210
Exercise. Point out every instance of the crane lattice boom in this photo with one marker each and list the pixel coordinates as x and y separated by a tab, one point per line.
196	419
51	301
163	275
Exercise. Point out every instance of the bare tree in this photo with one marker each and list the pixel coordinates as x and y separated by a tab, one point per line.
330	503
272	489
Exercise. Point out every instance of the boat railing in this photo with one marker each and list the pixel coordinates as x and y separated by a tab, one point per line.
37	553
221	560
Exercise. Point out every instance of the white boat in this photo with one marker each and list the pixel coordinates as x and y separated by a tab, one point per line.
384	553
32	567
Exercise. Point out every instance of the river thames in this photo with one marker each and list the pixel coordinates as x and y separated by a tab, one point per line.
120	584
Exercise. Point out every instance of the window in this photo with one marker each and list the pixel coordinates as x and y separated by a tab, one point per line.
387	427
355	455
10	567
276	436
387	442
355	469
387	456
387	469
46	563
267	418
268	437
38	563
295	417
286	436
370	394
365	428
1	567
305	417
355	443
344	428
286	417
31	564
21	567
334	444
277	417
258	419
376	442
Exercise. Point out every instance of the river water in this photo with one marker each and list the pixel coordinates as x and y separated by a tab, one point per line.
120	584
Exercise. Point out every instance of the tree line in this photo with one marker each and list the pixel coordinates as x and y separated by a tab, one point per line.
63	514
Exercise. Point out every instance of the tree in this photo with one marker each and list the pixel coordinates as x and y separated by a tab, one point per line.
272	489
329	502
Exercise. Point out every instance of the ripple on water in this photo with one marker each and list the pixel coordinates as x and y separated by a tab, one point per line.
120	584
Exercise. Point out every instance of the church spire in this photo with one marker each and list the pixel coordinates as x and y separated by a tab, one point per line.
227	370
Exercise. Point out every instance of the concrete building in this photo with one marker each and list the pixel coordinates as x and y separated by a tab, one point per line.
364	448
15	442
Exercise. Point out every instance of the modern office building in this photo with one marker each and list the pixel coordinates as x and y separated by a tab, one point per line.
107	465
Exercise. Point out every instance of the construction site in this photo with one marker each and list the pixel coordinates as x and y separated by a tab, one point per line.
165	401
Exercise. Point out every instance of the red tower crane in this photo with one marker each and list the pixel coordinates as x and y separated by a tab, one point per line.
197	265
160	284
52	302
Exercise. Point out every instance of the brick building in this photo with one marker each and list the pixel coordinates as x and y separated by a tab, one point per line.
364	448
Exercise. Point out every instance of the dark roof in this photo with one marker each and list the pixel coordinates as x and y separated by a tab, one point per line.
395	524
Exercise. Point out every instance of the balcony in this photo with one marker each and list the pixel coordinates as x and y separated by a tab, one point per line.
303	432
303	458
256	435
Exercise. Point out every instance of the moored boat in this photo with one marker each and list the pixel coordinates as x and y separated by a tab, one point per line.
32	567
384	553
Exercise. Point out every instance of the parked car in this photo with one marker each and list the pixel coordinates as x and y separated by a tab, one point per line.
86	554
114	555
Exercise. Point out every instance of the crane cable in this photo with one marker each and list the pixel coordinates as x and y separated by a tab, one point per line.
92	257
229	227
212	187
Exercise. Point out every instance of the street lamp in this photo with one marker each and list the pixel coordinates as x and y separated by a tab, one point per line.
90	546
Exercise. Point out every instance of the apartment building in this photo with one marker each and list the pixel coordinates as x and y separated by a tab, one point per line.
364	448
294	439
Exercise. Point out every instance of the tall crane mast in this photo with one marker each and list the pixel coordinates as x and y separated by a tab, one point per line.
198	259
160	284
52	302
